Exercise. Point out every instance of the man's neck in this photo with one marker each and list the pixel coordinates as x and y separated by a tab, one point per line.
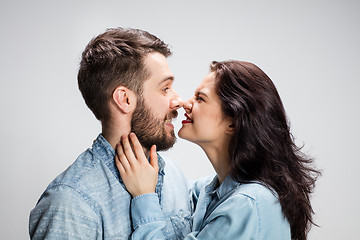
113	135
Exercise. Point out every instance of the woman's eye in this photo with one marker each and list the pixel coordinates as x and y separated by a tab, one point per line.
198	98
165	89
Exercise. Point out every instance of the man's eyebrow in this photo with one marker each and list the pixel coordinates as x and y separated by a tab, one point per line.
168	78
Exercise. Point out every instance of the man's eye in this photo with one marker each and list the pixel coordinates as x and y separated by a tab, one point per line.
165	89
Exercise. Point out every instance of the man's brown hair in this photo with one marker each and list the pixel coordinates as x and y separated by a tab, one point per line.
112	59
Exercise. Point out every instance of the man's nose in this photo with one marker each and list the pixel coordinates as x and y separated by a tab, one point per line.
176	102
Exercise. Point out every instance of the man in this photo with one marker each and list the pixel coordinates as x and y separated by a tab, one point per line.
126	82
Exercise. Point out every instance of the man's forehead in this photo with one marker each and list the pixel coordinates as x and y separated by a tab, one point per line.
166	79
158	80
157	67
155	60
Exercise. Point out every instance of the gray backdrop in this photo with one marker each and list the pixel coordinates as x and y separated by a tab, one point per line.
310	49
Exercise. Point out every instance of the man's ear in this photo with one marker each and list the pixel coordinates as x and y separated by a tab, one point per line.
124	99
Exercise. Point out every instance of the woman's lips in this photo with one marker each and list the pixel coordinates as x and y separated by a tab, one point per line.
188	119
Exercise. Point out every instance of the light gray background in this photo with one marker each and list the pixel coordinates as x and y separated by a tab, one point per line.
310	49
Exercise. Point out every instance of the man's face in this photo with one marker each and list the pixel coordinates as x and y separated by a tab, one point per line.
151	120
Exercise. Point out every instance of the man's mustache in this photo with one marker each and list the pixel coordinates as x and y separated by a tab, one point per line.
171	115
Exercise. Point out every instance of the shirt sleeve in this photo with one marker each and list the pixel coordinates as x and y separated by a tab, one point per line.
147	217
146	213
63	214
237	219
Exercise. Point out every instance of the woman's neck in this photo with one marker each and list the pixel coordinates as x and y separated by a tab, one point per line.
219	158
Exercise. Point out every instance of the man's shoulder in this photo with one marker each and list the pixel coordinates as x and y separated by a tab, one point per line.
84	167
169	163
88	190
174	178
88	177
171	168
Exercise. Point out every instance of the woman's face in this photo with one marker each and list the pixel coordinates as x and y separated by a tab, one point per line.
205	122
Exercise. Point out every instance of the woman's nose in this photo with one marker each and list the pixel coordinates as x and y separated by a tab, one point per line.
188	105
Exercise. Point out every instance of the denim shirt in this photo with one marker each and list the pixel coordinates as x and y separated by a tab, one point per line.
229	211
90	201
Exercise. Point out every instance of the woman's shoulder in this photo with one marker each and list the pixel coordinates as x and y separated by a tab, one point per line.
256	197
256	191
249	197
262	203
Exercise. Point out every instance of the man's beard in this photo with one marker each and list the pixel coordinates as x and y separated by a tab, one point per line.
150	130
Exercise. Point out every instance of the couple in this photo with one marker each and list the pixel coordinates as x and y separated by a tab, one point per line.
263	182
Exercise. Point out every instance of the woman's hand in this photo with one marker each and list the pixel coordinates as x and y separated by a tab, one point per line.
139	176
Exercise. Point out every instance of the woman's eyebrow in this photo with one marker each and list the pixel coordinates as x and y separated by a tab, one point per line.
199	92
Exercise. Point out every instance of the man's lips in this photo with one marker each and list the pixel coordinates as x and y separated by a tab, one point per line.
172	115
188	119
169	118
169	125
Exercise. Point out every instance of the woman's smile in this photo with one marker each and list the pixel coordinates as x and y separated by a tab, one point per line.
188	119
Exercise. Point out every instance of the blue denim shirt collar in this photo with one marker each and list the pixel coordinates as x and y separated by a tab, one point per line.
226	186
107	154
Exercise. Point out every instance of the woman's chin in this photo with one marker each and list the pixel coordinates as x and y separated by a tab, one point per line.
183	134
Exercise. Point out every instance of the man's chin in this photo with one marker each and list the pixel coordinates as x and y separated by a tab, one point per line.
170	133
167	144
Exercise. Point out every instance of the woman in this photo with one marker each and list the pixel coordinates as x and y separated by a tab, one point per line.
263	181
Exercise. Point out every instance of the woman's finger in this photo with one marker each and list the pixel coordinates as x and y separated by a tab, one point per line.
128	150
139	151
122	158
153	158
119	165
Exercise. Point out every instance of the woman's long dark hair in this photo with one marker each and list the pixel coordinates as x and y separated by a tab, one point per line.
262	147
